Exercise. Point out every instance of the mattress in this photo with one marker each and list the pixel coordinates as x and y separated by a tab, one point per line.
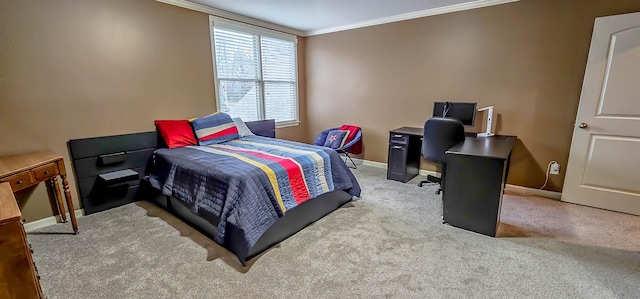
249	183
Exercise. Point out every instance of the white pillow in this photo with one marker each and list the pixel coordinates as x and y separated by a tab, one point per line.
243	130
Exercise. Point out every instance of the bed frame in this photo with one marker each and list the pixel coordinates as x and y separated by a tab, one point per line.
124	147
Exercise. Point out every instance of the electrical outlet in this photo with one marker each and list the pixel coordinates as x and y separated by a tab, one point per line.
555	168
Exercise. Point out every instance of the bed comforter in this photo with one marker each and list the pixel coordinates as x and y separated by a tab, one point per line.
251	182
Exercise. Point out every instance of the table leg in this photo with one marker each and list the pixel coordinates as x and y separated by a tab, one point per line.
67	195
56	187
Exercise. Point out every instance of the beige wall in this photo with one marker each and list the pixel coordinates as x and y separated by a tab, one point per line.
77	69
526	58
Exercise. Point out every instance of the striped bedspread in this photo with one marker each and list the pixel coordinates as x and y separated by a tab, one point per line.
250	182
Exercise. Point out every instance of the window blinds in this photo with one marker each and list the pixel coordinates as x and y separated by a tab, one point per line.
279	73
256	75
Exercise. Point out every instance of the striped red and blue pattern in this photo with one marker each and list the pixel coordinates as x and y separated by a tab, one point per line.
215	128
294	175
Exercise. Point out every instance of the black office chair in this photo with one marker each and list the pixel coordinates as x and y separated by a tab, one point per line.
439	135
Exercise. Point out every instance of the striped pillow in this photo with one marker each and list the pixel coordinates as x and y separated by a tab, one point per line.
215	128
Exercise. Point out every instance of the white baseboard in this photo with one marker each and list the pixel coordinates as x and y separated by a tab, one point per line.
423	172
370	163
38	224
513	188
384	166
520	190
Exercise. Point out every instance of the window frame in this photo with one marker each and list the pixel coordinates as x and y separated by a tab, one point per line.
260	32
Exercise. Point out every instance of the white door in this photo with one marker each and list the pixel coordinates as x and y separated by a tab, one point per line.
604	162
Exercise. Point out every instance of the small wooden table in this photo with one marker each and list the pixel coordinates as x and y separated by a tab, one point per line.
25	170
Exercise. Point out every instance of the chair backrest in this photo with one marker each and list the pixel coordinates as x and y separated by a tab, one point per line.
439	135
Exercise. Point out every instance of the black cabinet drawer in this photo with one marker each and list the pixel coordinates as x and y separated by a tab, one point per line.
398	138
397	161
403	162
93	166
395	146
91	185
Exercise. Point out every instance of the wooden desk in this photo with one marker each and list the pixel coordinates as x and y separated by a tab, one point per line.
25	170
18	274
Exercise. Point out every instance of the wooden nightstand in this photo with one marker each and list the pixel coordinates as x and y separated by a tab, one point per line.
25	170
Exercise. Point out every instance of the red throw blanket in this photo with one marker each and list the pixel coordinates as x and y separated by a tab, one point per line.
356	148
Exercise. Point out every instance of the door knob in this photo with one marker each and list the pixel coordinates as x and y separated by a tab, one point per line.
583	126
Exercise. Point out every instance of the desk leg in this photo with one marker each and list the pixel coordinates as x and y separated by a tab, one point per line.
56	187
67	195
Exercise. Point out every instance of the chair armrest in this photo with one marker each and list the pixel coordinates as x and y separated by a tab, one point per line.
320	139
352	142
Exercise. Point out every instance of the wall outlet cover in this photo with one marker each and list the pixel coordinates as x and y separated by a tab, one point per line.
555	168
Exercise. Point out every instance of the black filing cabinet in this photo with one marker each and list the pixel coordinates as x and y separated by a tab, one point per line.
477	171
404	153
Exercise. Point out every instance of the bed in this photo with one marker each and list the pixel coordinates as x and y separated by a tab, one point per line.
252	193
111	171
115	170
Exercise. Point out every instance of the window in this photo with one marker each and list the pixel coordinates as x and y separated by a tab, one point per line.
255	72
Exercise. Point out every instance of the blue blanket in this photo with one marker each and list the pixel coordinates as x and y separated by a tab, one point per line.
250	182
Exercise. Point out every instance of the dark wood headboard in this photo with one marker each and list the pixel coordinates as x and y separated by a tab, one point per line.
108	170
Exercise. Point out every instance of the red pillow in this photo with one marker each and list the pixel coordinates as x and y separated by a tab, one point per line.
176	133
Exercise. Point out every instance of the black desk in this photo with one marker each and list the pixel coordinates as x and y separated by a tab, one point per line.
475	176
405	147
474	182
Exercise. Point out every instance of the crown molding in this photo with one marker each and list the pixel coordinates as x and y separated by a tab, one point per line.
231	16
397	18
412	15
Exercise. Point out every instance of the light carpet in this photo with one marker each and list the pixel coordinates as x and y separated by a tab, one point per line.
391	243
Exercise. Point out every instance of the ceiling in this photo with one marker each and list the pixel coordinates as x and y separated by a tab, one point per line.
313	17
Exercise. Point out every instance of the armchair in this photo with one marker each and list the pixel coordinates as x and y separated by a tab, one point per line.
320	139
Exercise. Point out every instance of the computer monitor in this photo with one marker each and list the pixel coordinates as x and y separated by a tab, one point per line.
465	112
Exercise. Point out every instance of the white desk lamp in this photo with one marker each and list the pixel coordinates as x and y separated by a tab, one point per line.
489	128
